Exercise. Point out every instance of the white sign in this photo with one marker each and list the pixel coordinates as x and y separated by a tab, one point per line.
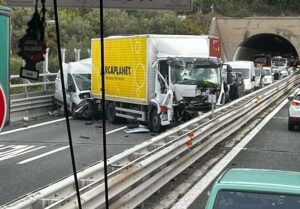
30	74
120	4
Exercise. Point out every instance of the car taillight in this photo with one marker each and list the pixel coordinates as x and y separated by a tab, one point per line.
294	103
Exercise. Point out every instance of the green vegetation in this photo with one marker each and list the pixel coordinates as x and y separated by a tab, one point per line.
78	26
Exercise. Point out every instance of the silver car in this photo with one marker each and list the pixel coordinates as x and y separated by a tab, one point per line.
294	110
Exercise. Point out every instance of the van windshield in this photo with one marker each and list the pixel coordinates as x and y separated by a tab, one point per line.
83	81
250	200
244	71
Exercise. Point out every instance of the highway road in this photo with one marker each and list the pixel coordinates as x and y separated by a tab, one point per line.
273	147
39	154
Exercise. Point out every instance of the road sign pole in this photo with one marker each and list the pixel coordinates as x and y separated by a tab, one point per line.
3	107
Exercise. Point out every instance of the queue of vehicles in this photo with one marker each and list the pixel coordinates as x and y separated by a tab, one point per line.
157	79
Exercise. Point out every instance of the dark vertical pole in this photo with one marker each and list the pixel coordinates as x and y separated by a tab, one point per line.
65	103
103	103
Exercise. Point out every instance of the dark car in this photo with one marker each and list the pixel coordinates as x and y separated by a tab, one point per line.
238	78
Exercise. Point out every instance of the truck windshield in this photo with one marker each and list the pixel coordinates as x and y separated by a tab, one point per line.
83	81
194	75
279	62
244	71
251	200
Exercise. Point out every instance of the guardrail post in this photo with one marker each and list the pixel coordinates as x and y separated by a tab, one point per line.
63	54
89	52
77	54
45	68
25	81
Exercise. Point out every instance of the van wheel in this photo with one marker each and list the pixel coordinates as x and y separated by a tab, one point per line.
154	121
111	112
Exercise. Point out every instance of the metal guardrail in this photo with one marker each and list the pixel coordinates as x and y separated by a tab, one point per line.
137	173
31	104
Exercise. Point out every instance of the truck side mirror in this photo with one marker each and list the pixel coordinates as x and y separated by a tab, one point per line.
253	78
229	78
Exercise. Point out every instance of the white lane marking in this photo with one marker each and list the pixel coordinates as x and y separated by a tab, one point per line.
14	151
20	152
279	117
42	155
13	148
47	123
6	147
33	126
201	185
118	129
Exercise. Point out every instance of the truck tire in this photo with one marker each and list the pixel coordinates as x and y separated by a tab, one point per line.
154	122
111	112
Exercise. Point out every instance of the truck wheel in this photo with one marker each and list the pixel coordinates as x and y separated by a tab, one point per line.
111	112
154	121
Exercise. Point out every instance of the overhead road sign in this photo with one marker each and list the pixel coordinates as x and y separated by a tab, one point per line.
2	107
118	4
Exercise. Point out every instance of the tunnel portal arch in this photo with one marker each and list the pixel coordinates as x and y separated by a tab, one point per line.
267	44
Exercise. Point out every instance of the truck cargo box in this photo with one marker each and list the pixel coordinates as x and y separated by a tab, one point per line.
128	60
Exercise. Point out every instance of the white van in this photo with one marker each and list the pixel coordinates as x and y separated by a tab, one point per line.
247	68
267	75
77	80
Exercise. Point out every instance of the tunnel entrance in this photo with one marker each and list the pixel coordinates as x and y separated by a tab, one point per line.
267	44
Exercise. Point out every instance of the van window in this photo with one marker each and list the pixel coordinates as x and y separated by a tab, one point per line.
83	81
257	71
70	83
244	71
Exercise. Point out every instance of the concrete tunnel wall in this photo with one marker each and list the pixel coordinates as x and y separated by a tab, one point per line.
236	32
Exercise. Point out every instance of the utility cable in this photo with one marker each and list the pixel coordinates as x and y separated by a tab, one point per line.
65	104
103	103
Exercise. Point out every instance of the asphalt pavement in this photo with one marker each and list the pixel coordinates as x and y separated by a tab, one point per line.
273	147
34	156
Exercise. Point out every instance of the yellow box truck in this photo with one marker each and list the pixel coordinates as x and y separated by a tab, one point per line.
158	79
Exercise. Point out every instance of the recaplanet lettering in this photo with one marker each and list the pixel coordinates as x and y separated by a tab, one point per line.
117	70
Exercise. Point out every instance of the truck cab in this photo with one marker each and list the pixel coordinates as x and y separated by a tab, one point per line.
280	64
182	87
241	188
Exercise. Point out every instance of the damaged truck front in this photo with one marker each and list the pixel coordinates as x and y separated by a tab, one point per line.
157	79
192	81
